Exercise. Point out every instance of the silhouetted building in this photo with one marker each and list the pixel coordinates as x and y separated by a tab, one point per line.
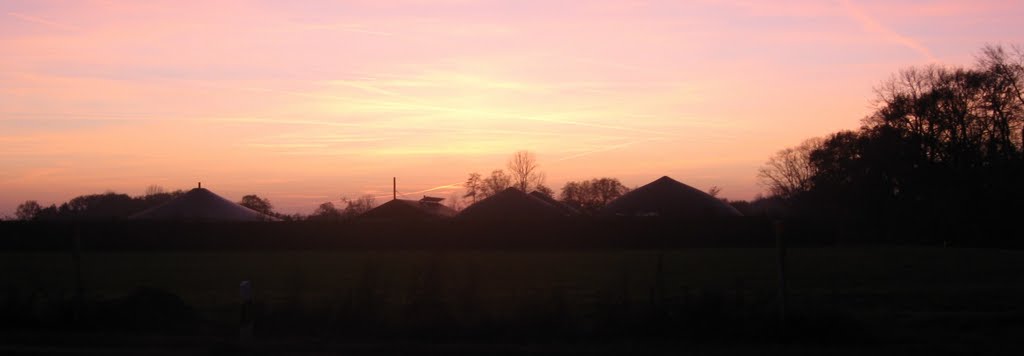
200	204
511	204
566	210
668	197
403	209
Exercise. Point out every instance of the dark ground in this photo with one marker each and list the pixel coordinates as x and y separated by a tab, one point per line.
716	301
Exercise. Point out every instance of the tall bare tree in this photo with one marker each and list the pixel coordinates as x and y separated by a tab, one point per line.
473	187
524	170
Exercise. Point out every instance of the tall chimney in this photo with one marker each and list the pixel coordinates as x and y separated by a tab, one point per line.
394	188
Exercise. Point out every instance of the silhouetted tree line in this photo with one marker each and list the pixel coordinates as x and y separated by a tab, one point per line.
117	206
523	174
590	196
327	211
106	206
587	196
943	144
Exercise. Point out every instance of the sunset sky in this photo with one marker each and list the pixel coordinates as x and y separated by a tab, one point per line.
303	104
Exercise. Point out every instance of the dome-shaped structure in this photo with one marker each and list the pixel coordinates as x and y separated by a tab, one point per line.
200	204
566	209
511	204
403	209
668	197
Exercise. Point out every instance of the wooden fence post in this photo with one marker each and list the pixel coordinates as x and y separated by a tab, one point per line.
247	318
76	256
780	246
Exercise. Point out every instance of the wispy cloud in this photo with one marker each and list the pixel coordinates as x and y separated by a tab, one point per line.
343	27
42	21
606	149
551	118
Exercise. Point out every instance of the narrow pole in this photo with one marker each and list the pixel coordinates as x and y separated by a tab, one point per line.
394	188
780	246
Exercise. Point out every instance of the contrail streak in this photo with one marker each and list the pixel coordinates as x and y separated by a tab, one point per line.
446	186
872	25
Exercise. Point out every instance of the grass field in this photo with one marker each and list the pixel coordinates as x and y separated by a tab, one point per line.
896	294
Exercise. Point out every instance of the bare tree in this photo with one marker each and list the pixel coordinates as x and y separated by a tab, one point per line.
474	187
790	171
714	191
543	189
479	188
28	210
522	174
1009	66
455	201
1002	98
497	182
523	168
358	206
155	189
591	195
254	202
327	212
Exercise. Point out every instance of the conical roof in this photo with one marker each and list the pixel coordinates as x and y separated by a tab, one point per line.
409	209
200	204
668	197
510	204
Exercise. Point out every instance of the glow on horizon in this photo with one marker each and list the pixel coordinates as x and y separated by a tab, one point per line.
307	103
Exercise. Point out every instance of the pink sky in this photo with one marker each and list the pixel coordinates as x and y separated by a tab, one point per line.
307	103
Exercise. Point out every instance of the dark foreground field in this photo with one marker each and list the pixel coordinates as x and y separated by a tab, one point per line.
711	300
